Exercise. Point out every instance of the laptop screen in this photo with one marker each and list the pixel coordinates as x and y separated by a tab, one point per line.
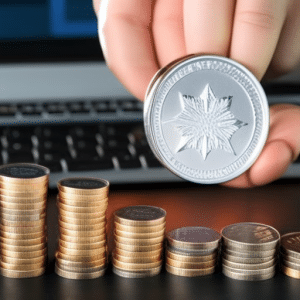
48	29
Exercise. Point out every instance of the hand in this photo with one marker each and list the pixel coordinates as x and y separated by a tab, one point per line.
139	37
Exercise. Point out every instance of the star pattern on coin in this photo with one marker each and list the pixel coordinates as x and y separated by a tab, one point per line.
206	123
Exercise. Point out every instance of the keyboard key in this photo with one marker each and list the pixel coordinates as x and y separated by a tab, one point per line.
55	108
16	157
77	108
90	165
54	166
129	162
8	110
152	161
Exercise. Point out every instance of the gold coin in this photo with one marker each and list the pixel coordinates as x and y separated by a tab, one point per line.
74	275
75	209
27	267
139	229
140	242
22	274
23	218
102	204
22	254
190	265
22	212
16	242
138	248
82	216
79	227
242	260
140	215
135	254
135	266
29	206
82	234
23	173
137	274
23	200
83	186
134	235
79	246
249	266
81	258
290	272
137	260
21	248
191	258
83	240
246	277
75	197
41	222
82	265
25	186
189	272
24	261
21	229
78	252
76	221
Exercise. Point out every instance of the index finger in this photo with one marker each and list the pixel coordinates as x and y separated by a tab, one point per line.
124	29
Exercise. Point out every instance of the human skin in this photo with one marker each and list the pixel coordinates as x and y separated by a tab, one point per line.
138	37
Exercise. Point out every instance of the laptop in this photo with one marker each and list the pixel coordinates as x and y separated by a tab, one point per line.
61	107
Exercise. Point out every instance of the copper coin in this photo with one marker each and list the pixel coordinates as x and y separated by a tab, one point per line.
74	275
22	254
189	272
133	235
99	205
83	233
140	242
80	246
290	272
137	260
140	254
137	274
190	265
22	274
135	266
81	258
26	242
140	229
75	209
87	221
138	248
83	240
81	216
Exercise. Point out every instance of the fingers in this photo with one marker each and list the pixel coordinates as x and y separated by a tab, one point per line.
287	54
207	26
281	149
168	31
124	29
256	29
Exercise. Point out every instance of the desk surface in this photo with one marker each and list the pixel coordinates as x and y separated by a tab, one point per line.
211	206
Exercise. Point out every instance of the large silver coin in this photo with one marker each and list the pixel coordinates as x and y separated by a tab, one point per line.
206	118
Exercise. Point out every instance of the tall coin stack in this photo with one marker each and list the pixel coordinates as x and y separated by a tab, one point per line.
290	254
139	235
250	251
23	237
82	251
192	251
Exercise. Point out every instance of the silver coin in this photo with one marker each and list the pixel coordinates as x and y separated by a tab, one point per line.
137	274
190	252
243	260
247	277
250	254
84	183
24	171
141	213
258	266
206	118
193	238
250	237
291	243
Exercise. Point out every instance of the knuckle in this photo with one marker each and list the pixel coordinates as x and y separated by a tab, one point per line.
263	20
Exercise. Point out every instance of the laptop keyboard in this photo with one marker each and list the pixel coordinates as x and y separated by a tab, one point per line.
79	139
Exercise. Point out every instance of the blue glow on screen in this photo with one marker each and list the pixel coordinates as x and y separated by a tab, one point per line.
35	19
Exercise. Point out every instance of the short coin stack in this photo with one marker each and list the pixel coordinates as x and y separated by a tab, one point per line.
139	235
290	254
82	251
192	251
249	251
23	237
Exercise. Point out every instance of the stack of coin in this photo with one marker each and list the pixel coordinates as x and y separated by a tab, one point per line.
290	254
139	235
250	251
23	237
192	251
82	251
